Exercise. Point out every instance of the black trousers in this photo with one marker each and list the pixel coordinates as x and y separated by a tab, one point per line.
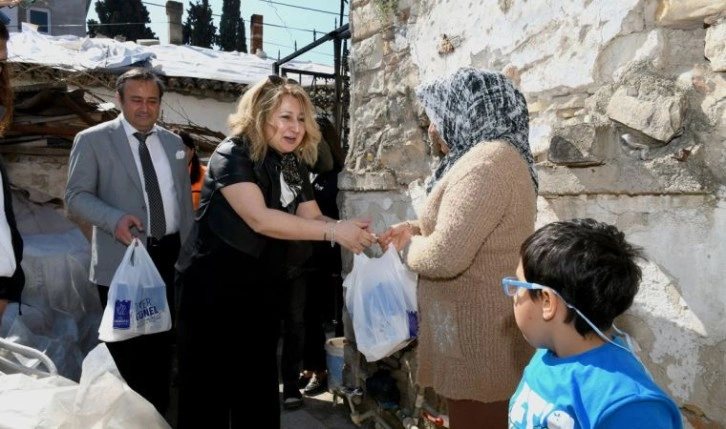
316	295
228	328
293	339
145	361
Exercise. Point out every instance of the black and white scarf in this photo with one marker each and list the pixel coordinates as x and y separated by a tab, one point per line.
291	181
472	106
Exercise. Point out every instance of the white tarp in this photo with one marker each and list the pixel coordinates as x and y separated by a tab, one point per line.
85	54
102	400
61	310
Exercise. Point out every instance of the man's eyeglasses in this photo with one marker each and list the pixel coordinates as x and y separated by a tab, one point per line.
279	80
511	285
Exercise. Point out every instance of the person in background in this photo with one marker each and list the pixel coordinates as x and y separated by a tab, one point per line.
311	272
12	277
196	168
128	177
574	278
324	298
256	197
480	207
7	3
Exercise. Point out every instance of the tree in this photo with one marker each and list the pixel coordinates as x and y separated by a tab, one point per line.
228	25
126	18
241	42
93	28
199	29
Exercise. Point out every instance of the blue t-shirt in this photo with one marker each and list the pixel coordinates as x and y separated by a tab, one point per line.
603	388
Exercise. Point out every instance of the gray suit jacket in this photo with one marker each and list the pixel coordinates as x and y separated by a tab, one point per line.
104	184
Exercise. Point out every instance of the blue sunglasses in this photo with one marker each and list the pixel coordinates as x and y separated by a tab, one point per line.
512	284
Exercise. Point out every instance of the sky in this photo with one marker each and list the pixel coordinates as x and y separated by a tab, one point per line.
285	22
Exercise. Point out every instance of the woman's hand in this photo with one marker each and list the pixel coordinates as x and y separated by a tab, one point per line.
353	234
399	235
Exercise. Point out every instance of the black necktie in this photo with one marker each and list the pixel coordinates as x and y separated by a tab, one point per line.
156	205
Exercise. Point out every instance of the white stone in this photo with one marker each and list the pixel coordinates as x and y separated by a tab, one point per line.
715	49
658	116
368	53
687	13
364	21
562	40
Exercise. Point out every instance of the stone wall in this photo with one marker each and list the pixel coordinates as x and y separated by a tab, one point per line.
628	125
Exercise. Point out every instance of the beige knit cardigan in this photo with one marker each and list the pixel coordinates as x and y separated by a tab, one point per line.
473	222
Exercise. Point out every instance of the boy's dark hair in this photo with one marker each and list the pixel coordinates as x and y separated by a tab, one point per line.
589	263
138	73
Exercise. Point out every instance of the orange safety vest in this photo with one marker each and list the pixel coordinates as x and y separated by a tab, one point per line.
197	187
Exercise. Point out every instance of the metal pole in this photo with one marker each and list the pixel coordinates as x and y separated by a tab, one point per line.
337	114
337	33
342	9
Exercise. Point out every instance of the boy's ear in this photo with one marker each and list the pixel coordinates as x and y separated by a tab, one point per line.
549	304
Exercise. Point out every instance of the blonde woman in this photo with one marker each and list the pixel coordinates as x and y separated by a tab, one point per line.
256	197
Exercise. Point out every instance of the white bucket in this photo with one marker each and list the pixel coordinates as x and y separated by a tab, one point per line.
334	359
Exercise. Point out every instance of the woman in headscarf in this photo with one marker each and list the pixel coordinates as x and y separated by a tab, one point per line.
480	207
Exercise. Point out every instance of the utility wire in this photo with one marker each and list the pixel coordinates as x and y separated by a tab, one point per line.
302	7
246	21
284	26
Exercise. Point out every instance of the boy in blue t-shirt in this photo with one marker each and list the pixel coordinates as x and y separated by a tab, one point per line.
574	278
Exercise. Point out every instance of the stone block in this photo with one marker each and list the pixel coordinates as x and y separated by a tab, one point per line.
370	181
687	13
653	110
368	54
580	145
364	22
715	49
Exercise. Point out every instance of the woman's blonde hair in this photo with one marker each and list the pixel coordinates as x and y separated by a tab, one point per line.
256	106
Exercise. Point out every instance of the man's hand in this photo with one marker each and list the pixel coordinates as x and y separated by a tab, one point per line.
123	228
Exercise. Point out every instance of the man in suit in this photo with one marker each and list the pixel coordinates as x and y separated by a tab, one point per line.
128	177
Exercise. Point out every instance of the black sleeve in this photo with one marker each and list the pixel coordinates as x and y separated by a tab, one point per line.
231	163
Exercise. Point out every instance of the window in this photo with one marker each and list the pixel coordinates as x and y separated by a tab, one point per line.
41	18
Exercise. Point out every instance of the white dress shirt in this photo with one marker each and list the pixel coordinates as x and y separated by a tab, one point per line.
7	255
163	176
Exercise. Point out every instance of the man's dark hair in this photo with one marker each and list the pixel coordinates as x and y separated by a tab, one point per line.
589	263
138	74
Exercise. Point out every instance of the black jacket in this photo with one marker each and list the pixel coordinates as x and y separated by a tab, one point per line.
231	163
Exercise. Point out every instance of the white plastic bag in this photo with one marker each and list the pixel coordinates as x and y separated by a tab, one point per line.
137	302
381	299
